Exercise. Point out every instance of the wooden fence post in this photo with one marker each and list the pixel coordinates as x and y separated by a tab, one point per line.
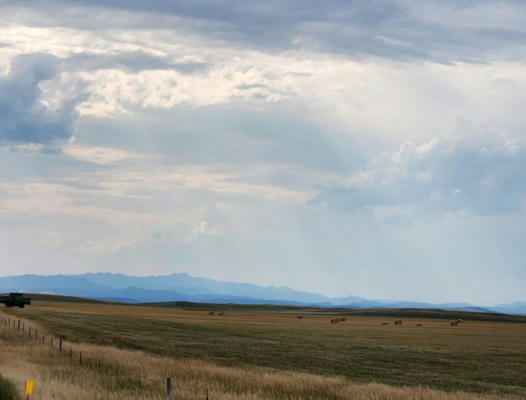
70	352
18	325
80	357
169	386
60	344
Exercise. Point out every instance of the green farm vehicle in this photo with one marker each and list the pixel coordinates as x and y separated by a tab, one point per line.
15	300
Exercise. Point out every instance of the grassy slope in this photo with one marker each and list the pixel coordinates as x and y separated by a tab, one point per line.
475	356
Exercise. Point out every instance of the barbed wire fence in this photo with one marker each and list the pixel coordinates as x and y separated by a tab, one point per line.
110	374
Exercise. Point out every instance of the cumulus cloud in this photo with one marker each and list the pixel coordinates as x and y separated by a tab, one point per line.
482	175
23	117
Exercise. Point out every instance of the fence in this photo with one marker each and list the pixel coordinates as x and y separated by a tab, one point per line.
56	343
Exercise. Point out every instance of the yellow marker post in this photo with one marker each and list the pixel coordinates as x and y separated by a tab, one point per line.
29	388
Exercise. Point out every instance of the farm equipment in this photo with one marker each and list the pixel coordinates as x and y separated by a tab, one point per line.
15	300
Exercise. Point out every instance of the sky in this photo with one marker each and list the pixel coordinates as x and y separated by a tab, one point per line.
367	148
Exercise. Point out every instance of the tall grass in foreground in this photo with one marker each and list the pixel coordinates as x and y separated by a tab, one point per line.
58	377
8	390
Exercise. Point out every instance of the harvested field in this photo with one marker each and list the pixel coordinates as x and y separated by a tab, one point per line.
478	357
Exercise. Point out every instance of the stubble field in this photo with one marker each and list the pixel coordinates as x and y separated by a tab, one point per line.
270	353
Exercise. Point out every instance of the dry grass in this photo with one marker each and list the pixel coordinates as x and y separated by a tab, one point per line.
262	356
476	356
58	377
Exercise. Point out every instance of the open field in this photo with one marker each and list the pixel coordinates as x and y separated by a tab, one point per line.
476	356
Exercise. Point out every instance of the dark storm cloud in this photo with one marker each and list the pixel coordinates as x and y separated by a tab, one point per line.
441	31
22	118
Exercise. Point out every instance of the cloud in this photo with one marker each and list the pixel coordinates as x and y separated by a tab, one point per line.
23	118
149	236
133	62
184	232
482	175
97	154
441	31
110	245
209	126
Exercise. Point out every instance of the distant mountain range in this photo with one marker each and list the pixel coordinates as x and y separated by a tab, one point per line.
183	287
